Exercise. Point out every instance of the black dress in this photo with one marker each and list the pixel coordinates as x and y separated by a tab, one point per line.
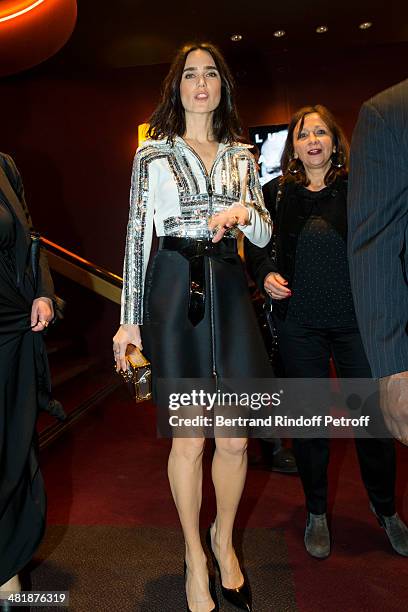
24	385
197	318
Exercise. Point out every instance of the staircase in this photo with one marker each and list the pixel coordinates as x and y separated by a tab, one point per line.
79	382
79	347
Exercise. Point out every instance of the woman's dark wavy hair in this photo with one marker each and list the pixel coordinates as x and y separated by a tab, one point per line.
168	120
339	141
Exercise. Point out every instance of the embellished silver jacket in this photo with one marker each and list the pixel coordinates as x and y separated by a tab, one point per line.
171	188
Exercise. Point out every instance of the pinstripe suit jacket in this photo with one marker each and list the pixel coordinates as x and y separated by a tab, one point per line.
378	228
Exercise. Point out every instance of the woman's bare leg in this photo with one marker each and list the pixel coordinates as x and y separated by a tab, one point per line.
229	470
186	476
12	585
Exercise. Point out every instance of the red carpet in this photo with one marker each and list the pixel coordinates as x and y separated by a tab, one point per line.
111	470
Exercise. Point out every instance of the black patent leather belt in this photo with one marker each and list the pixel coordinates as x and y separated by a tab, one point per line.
194	250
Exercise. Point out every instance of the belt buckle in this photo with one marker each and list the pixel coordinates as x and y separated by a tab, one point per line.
201	248
207	248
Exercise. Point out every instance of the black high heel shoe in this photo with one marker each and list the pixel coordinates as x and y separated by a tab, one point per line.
241	597
212	589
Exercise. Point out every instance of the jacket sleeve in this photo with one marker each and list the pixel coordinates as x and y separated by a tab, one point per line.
258	259
45	285
377	239
259	229
139	235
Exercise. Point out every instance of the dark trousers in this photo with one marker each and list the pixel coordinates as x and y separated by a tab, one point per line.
305	353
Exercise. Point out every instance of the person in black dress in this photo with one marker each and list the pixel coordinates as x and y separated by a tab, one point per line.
309	285
192	304
26	308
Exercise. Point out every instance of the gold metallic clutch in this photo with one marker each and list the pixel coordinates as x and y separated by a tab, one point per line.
139	373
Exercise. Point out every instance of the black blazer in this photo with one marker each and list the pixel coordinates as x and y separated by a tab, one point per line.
289	216
378	228
23	224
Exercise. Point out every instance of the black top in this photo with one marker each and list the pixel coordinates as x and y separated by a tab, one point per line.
321	284
291	207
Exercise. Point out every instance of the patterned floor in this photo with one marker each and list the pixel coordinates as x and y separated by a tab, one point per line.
140	569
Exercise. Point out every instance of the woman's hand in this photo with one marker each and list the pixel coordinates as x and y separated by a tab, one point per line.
42	313
275	286
126	334
234	215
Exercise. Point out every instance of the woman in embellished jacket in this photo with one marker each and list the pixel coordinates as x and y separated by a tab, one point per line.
197	186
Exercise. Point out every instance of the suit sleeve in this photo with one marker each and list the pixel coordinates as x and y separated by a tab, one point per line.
45	285
377	217
258	259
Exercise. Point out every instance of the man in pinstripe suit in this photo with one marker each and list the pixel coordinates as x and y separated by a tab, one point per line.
378	245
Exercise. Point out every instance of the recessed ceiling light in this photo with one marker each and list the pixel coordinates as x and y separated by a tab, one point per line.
365	25
236	37
279	33
322	29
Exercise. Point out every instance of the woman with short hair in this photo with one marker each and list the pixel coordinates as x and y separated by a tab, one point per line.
307	280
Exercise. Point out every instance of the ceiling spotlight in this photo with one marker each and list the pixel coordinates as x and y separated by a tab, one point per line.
322	29
279	33
365	25
236	37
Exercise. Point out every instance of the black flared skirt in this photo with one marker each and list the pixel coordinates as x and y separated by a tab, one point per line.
226	342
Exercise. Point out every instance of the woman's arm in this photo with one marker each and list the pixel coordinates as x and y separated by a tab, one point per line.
139	236
259	227
249	214
258	260
137	252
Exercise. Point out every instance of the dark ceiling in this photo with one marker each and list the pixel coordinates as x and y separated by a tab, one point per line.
128	33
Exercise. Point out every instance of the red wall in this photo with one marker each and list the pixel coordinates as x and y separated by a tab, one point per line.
73	140
74	137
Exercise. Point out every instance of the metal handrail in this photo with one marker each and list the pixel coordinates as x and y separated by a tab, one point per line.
82	271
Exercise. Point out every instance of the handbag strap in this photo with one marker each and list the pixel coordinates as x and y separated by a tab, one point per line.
278	198
279	195
273	246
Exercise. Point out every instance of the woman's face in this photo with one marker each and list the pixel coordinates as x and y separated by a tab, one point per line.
200	86
313	145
